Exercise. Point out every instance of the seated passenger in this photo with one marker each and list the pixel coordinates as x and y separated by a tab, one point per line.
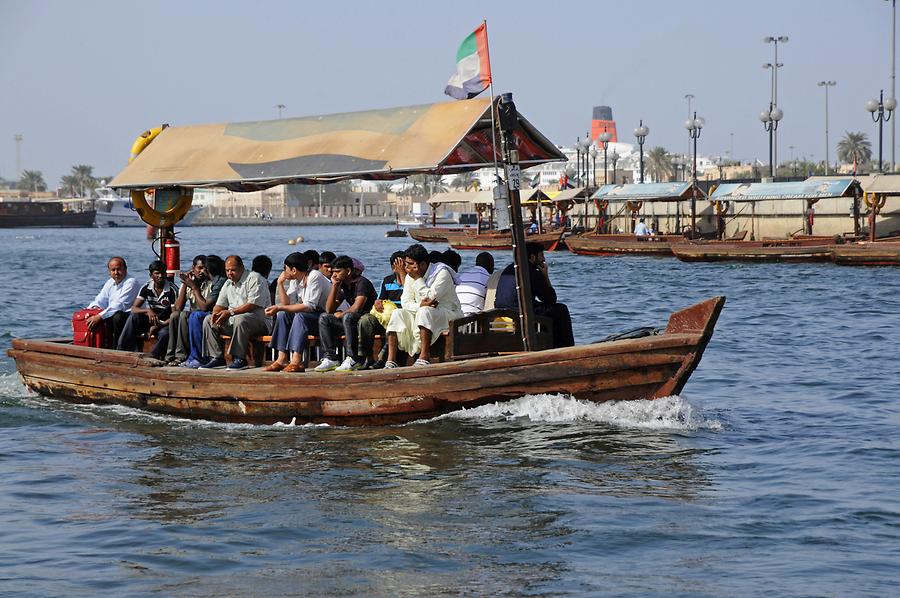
240	312
184	304
150	313
347	284
472	287
262	265
428	304
641	229
543	295
209	293
373	323
452	259
301	296
115	298
325	259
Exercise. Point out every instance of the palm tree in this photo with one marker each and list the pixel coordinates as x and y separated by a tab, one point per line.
854	147
69	185
85	177
466	181
32	180
659	164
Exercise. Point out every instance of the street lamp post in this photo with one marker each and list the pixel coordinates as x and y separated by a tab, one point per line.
577	161
770	119
826	85
280	107
604	138
781	39
585	155
881	110
641	133
594	165
694	126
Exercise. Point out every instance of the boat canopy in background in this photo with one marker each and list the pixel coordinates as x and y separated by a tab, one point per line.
809	190
882	184
647	192
477	197
569	194
387	144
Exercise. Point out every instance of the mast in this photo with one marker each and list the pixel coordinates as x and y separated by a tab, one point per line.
509	122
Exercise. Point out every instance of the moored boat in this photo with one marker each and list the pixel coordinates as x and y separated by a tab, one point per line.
618	245
71	213
432	234
500	241
878	253
771	250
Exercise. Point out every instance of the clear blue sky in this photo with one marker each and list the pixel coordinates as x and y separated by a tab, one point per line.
82	79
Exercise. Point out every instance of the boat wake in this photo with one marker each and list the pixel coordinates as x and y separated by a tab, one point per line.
668	413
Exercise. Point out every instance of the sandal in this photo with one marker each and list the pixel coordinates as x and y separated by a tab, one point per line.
421	363
390	365
275	366
293	368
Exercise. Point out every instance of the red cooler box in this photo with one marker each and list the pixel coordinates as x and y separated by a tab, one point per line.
98	337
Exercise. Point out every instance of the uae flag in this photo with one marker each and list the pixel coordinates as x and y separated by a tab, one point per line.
473	66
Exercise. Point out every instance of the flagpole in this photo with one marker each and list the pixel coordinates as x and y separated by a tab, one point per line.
487	46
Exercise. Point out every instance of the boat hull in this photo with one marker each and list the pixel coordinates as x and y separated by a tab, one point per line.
83	219
432	234
619	245
752	251
643	368
867	254
500	241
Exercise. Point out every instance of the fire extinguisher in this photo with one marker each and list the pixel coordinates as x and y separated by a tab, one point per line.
172	255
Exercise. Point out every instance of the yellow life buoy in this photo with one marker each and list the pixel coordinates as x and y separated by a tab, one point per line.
178	199
143	141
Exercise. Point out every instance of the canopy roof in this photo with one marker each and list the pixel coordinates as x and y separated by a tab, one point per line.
569	194
374	145
476	197
647	192
884	184
814	189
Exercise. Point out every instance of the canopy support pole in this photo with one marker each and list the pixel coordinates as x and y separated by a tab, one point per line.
509	121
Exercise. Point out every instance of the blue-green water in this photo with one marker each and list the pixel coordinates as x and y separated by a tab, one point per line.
776	472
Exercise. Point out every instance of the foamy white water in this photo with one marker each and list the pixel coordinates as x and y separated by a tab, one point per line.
668	413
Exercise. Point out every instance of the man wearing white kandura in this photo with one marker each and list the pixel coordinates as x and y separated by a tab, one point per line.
428	304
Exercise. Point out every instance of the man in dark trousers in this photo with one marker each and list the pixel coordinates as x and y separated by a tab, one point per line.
543	295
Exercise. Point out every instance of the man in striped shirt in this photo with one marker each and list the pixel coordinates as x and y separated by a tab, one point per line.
472	286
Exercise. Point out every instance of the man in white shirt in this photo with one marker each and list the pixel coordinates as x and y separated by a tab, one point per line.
300	295
428	304
239	313
115	298
472	286
641	229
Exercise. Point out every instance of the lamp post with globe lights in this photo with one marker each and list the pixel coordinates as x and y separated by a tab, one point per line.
881	111
641	133
826	85
594	153
781	39
770	119
604	138
694	126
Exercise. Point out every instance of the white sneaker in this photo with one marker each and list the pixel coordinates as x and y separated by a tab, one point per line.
349	365
326	365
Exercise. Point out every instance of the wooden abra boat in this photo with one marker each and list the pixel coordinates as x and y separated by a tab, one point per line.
498	241
879	253
432	234
642	368
615	245
488	357
773	250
